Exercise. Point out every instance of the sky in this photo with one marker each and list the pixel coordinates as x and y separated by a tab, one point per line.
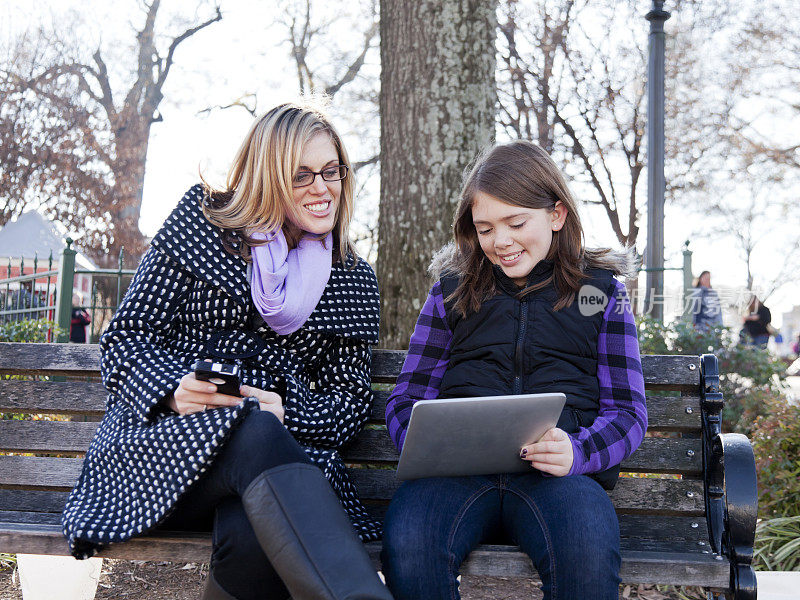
246	53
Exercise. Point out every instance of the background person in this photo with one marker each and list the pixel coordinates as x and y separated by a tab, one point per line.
78	321
707	312
263	274
503	319
756	320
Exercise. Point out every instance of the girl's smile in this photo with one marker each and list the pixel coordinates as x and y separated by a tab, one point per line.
514	237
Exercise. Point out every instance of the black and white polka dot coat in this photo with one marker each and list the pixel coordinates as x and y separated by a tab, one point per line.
190	299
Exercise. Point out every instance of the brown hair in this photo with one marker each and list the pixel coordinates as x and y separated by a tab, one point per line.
699	277
522	174
258	192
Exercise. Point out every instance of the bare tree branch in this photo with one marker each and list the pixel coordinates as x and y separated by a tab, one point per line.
167	64
369	161
356	65
240	102
107	98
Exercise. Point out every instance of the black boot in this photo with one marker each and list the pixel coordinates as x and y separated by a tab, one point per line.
213	591
308	538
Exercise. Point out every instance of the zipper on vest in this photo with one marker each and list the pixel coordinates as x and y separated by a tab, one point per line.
518	352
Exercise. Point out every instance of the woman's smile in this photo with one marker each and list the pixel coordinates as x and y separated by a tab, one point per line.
319	209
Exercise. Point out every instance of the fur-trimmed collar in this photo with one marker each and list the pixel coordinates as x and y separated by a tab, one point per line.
350	305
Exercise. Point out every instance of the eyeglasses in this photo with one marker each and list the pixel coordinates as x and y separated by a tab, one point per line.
306	178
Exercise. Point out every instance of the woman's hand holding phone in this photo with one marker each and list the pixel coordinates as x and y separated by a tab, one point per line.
551	454
194	395
268	401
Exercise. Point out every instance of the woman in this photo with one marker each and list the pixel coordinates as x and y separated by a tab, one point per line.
756	323
79	319
262	274
707	312
509	316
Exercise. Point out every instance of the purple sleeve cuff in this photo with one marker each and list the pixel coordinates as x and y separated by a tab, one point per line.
578	459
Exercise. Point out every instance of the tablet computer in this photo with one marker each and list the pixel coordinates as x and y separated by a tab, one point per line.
475	436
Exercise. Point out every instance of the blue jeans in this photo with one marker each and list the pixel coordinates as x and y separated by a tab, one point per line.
567	525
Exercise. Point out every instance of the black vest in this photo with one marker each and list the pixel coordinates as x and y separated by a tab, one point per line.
523	346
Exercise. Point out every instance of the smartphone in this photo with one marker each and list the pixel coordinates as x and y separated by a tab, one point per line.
224	375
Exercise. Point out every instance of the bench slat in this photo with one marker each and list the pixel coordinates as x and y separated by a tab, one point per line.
39	472
655	455
664	568
29	518
665	529
639	525
57	397
660	371
49	359
664	413
632	494
52	437
32	501
82	398
669	568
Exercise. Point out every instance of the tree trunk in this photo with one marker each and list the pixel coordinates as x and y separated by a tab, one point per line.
437	107
131	143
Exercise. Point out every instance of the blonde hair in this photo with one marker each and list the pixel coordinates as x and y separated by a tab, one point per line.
258	194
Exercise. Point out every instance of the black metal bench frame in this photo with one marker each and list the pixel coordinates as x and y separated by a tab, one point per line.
692	525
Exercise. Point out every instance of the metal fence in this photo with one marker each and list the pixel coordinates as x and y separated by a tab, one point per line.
30	296
48	294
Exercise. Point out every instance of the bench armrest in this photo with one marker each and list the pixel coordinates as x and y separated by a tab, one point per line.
731	490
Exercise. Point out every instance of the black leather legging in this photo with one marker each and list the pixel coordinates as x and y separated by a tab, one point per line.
213	503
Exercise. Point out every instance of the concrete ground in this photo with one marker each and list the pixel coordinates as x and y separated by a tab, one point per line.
778	585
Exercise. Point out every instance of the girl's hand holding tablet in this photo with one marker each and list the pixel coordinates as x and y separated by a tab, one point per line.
551	454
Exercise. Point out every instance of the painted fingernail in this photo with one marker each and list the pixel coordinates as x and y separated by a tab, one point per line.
523	452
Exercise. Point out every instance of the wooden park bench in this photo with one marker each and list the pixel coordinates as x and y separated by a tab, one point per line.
691	521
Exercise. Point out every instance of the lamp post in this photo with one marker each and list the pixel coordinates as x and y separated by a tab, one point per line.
656	184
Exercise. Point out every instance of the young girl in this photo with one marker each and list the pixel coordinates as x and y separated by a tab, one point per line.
521	307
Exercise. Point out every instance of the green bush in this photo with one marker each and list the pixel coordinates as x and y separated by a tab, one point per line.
29	330
749	377
776	443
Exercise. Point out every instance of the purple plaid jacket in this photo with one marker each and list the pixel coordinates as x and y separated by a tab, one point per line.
622	420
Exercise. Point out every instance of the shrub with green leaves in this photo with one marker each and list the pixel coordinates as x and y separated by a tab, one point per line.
28	330
749	376
776	443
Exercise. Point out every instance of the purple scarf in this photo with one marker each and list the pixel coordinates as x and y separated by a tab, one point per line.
286	285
